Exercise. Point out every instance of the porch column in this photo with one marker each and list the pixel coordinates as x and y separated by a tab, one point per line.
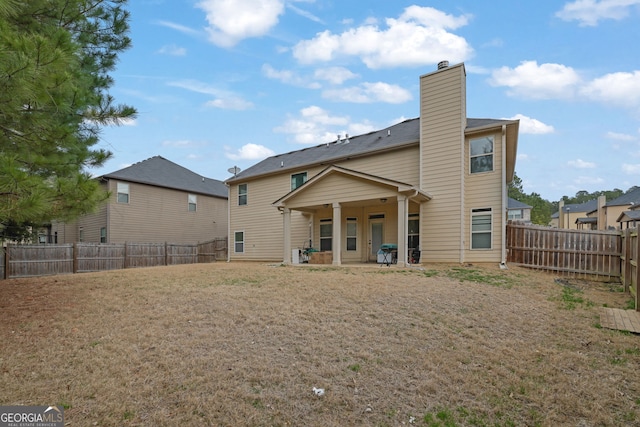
403	222
336	246
286	218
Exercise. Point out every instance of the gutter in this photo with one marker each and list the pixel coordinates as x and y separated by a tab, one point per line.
503	255
228	222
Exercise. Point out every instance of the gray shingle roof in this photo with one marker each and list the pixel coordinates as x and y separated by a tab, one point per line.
398	135
631	198
161	172
515	204
589	206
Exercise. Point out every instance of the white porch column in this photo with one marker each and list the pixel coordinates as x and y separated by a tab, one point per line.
337	234
403	223
286	218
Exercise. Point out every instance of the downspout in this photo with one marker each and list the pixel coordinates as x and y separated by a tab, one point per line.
228	222
503	255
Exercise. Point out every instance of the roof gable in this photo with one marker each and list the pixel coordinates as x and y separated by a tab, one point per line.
332	170
160	172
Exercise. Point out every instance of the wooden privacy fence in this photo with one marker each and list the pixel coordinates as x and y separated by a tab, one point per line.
43	260
578	253
629	268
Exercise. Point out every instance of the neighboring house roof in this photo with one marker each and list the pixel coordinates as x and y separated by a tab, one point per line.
514	204
589	206
161	172
628	216
398	135
631	198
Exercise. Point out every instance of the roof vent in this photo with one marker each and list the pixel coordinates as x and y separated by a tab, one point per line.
388	132
346	138
443	64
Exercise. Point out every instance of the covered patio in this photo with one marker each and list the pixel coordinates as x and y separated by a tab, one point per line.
352	214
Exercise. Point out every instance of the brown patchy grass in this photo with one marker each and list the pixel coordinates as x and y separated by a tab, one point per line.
243	344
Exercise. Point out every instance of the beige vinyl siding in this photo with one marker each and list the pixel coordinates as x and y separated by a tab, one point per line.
399	165
64	232
443	119
157	214
612	214
484	190
261	222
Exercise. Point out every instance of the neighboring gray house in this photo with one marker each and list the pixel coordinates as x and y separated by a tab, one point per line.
518	211
152	201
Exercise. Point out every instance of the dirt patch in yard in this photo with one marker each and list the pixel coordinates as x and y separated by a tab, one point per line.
245	344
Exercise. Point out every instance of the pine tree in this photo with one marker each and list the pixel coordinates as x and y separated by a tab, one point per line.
55	59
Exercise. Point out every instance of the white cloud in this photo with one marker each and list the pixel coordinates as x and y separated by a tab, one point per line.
250	152
223	98
368	93
173	50
631	169
620	136
182	143
581	164
418	37
522	157
530	80
230	103
588	180
231	21
178	27
532	126
288	77
304	13
315	125
621	89
334	75
589	12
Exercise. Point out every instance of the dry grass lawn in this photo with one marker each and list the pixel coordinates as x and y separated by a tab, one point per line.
232	344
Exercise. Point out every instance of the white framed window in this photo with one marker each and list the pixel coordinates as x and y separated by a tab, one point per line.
123	192
515	214
326	234
352	234
192	201
298	179
81	235
481	154
238	242
242	194
103	235
481	220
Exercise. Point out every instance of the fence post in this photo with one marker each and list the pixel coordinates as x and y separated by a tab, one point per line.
627	260
166	253
126	255
6	261
74	254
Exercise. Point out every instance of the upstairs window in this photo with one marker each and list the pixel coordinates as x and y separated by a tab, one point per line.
192	202
481	158
242	194
298	179
481	228
123	192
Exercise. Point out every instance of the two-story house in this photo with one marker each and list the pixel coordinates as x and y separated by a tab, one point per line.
437	183
152	201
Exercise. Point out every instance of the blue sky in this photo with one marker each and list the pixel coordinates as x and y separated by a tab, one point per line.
222	83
